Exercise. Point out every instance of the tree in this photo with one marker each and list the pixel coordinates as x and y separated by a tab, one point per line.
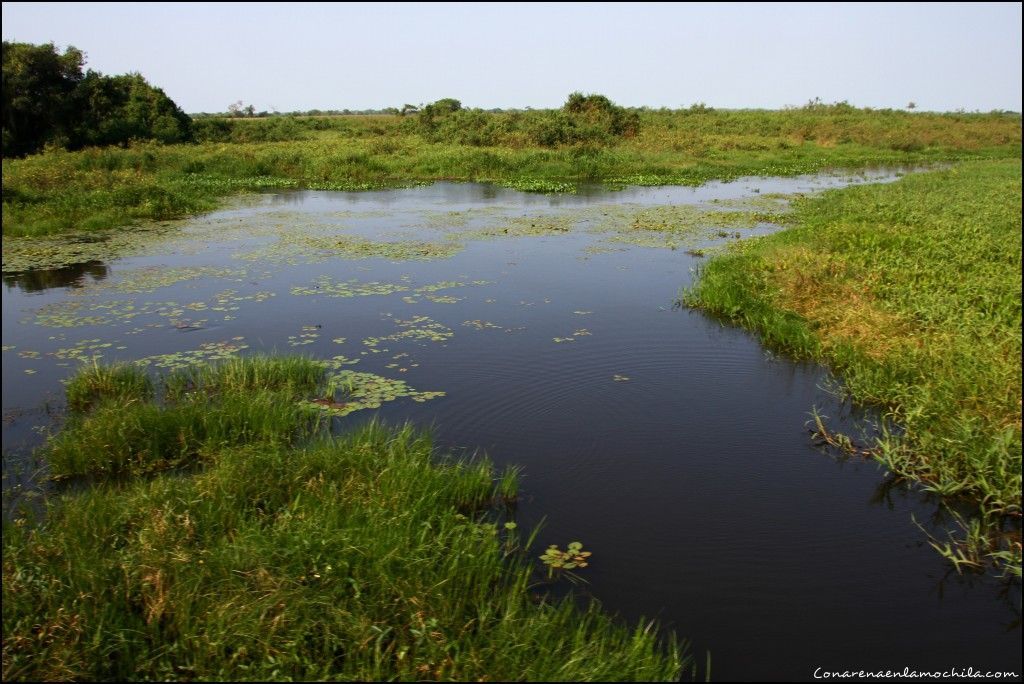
595	116
38	84
47	99
430	114
118	109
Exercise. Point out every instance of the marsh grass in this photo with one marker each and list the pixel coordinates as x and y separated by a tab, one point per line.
96	382
911	291
294	376
118	427
98	189
368	557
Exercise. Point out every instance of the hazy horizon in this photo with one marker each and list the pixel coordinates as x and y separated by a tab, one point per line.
299	57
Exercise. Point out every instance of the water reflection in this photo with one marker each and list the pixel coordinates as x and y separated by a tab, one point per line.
40	280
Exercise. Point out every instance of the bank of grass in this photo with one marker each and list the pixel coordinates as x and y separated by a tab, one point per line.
103	188
365	557
911	292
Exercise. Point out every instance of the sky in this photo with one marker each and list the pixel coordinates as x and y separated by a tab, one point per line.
296	57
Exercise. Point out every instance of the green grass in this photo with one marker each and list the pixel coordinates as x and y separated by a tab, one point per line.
95	383
365	557
911	291
116	429
103	188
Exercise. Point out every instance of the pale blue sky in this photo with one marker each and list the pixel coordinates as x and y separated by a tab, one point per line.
304	56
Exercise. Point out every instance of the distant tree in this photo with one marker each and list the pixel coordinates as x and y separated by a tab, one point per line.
446	105
911	105
595	116
38	83
408	109
429	115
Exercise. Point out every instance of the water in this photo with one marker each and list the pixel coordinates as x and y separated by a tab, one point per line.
675	448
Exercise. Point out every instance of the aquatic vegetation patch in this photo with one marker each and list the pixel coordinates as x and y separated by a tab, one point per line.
530	225
448	285
349	391
72	313
32	253
444	299
327	286
152	278
572	558
295	245
539	185
579	332
418	328
308	335
351	247
478	324
84	350
658	226
206	353
773	203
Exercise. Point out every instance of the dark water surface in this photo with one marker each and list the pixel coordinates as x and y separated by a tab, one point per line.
673	447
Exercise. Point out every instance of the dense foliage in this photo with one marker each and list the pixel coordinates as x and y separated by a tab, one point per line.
584	119
47	100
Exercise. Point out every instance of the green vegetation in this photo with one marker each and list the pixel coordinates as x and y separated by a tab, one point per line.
97	189
364	557
911	291
47	100
94	383
583	120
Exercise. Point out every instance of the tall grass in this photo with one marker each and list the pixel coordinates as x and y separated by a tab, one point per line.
204	409
95	383
911	291
365	557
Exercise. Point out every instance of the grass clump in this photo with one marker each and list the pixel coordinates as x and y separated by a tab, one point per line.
95	383
295	376
116	429
365	557
911	291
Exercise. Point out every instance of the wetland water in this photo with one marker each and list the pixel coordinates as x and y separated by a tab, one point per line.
673	447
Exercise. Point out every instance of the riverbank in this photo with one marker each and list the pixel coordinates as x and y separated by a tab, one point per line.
911	292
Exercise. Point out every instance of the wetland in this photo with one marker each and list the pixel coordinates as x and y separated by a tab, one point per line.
550	332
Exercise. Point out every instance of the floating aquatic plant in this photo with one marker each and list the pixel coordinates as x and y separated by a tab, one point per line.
558	561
